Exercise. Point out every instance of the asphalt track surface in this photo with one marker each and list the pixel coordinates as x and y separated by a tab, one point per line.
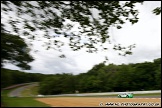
17	92
147	96
93	101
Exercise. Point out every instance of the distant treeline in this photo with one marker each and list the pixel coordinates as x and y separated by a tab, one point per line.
101	78
11	77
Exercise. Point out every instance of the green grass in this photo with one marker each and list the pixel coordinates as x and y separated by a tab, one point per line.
19	101
30	91
4	93
147	94
22	102
31	102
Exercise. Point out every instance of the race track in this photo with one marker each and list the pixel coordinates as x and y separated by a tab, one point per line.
17	92
97	101
147	96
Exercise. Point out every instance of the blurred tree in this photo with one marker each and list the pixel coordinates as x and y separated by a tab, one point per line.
157	64
6	78
11	77
158	78
14	50
57	84
94	18
85	24
102	78
157	11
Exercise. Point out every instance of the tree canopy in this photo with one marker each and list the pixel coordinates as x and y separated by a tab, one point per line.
85	24
91	18
101	78
12	77
107	78
14	50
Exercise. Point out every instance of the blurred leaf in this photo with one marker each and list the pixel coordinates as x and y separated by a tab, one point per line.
157	11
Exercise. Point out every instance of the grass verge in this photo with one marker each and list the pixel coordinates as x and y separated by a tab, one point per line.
19	101
147	94
30	91
22	102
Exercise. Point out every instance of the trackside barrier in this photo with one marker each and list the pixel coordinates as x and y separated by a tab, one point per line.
107	93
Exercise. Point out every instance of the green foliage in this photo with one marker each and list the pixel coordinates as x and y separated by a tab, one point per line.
6	78
102	78
30	91
58	84
95	68
22	102
157	11
11	77
14	50
51	16
19	101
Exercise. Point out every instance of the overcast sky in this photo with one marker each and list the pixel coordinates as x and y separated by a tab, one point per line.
146	34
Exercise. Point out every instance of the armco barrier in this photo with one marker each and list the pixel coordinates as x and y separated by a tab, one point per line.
106	93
